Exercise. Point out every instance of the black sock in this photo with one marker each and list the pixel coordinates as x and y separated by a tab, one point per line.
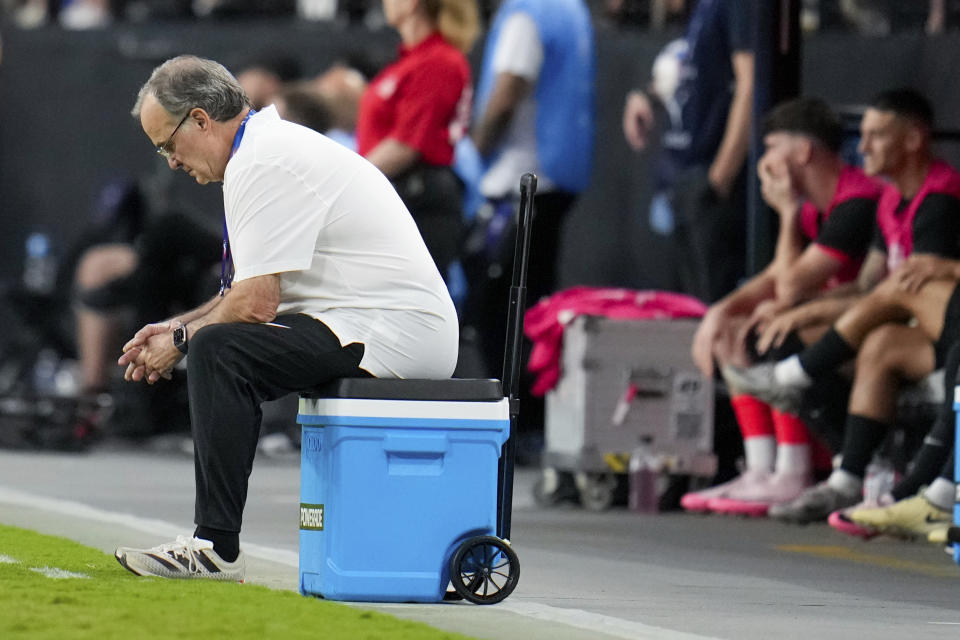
792	345
861	437
948	467
937	450
225	543
826	354
931	457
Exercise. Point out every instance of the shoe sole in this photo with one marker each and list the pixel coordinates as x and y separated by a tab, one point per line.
729	506
694	506
123	563
907	534
850	528
696	503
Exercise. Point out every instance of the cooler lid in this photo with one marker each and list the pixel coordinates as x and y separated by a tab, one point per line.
451	390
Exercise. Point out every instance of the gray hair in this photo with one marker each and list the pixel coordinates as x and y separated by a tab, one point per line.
186	82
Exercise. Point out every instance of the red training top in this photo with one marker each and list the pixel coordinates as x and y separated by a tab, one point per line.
896	221
422	100
844	229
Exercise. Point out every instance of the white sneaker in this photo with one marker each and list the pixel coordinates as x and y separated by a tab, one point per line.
760	382
700	500
185	558
814	504
754	499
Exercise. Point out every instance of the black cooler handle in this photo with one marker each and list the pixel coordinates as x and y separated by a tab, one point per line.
513	351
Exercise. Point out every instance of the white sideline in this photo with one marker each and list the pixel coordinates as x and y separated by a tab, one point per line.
137	523
57	574
49	572
615	627
596	622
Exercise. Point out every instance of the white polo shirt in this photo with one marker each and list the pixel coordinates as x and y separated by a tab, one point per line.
344	245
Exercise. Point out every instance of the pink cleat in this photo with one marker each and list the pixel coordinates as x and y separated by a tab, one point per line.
842	522
734	507
754	499
697	501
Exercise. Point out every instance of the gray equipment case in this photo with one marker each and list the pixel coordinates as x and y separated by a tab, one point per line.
624	384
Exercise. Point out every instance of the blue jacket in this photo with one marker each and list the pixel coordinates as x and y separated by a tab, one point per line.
564	91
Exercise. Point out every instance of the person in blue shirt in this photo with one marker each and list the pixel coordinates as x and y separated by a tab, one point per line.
534	113
700	178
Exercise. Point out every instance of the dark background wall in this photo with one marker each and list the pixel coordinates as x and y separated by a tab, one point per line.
65	128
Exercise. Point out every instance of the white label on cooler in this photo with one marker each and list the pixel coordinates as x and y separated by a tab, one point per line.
311	517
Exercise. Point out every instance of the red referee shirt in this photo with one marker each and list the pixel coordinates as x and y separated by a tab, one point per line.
422	100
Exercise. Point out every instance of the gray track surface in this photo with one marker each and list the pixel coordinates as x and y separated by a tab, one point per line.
584	575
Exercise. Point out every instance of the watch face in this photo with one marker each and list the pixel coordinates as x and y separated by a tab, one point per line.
179	336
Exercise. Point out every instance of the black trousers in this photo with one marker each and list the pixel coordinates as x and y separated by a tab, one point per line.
232	368
434	197
710	235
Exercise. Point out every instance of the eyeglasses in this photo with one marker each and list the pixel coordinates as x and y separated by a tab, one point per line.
165	149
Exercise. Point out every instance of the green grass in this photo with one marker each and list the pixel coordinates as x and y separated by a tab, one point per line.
113	603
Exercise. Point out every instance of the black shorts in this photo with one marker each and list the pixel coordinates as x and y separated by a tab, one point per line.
177	261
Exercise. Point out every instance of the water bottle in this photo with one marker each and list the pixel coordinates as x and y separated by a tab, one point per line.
39	267
644	472
45	372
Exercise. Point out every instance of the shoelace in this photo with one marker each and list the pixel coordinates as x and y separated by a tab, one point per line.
188	548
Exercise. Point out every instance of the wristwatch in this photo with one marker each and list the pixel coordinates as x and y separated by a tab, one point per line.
180	338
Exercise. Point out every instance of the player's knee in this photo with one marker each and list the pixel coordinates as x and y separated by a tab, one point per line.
103	263
881	349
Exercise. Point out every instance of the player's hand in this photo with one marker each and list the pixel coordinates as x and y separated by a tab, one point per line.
917	270
731	345
779	328
637	119
763	314
776	185
705	339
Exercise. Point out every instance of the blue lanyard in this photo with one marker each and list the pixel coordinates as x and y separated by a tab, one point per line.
226	260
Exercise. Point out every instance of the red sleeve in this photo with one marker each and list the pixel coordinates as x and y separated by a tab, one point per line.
426	106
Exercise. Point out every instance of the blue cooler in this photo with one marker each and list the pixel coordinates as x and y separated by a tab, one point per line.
394	475
956	469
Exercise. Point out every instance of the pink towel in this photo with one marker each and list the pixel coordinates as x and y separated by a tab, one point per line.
544	322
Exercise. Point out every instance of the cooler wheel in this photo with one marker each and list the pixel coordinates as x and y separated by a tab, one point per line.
484	570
